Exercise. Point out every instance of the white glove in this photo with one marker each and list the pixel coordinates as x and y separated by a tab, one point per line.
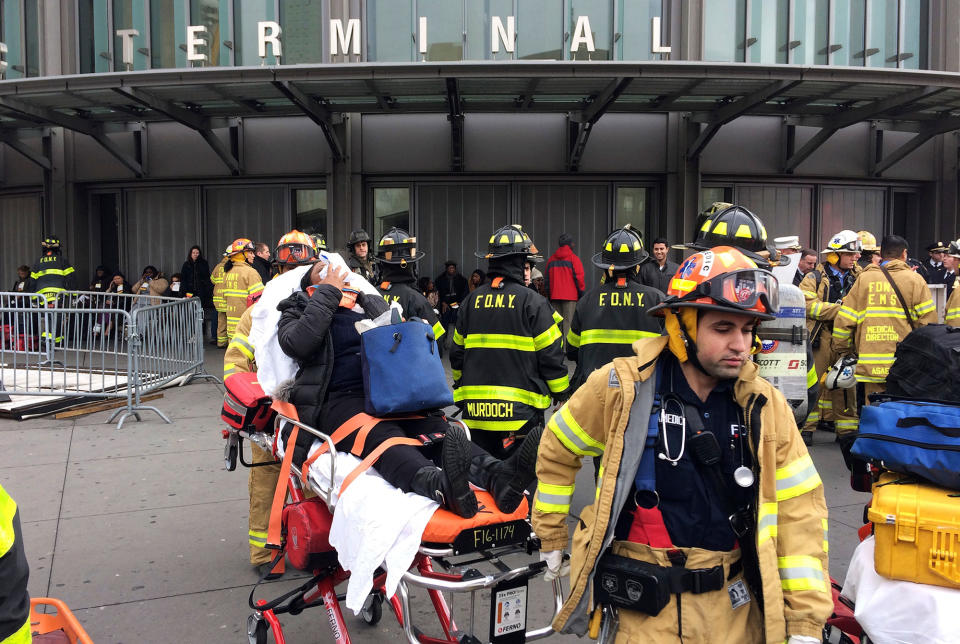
556	566
803	639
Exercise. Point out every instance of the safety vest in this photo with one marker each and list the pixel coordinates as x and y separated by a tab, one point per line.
14	599
506	357
52	274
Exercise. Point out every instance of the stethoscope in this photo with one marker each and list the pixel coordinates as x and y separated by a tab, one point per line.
742	476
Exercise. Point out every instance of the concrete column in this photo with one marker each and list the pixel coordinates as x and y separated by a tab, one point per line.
344	185
682	199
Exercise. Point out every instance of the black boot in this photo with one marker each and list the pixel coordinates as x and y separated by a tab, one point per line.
508	480
449	486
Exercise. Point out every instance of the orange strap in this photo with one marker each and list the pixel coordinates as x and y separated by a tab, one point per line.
368	462
280	494
360	441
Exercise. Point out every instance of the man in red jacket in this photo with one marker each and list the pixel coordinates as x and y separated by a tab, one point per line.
564	277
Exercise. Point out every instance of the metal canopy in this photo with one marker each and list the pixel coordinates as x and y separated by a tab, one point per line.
205	99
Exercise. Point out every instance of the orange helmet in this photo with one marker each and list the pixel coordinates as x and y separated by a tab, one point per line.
295	249
239	246
722	279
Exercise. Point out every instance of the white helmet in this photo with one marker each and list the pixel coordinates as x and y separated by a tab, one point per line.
845	241
840	375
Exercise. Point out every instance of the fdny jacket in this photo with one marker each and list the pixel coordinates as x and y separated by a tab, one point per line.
822	292
607	321
506	357
791	513
14	600
52	274
564	275
216	278
872	321
413	303
239	283
239	357
951	316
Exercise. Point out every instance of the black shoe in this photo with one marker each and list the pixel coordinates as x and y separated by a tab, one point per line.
807	438
264	570
449	486
508	480
827	426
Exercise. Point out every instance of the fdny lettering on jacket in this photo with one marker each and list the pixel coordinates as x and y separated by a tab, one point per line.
615	298
881	294
491	301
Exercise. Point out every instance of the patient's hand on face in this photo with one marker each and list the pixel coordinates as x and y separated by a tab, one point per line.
336	276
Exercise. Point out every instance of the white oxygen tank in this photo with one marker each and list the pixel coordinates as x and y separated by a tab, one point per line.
783	354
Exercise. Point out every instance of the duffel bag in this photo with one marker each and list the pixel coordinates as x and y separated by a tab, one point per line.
919	438
307	525
927	365
245	405
402	372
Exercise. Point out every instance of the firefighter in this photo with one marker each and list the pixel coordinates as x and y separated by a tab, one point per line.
240	281
507	356
709	520
52	273
216	278
294	249
610	317
874	318
14	572
869	251
951	316
823	291
397	258
359	258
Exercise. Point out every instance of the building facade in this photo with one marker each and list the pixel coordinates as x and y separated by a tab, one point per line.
133	129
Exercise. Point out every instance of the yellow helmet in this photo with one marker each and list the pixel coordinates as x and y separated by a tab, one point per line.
867	240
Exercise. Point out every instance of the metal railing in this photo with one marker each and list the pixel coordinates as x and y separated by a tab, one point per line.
100	346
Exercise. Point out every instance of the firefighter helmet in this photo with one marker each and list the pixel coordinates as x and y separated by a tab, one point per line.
732	226
623	249
509	240
845	241
867	240
709	212
50	242
295	249
319	241
356	237
725	279
841	374
240	245
398	247
954	249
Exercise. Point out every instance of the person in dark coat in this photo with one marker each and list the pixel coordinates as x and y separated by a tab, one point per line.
261	261
195	275
451	289
101	279
660	271
24	283
319	333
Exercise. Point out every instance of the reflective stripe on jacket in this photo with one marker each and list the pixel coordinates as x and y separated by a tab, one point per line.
791	515
216	278
14	599
816	294
239	283
239	357
951	315
52	274
872	320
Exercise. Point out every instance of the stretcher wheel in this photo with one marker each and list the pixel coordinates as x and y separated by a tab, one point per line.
256	630
230	458
372	609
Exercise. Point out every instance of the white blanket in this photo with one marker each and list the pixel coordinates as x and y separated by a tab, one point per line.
273	365
899	612
374	524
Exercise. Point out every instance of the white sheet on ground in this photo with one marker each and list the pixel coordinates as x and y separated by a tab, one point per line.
273	365
374	524
900	612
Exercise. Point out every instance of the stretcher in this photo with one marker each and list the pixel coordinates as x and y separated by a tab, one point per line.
456	556
57	627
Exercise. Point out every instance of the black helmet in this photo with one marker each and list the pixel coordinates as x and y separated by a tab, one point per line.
709	212
50	242
622	250
510	240
319	241
356	237
398	247
732	226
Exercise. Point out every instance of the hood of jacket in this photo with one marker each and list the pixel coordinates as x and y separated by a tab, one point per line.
509	267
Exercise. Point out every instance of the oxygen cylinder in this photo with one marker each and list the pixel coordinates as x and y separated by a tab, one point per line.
783	350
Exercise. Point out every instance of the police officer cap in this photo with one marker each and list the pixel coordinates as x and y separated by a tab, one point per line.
937	247
623	249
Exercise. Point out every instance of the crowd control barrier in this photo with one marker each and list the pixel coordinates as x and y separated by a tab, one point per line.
99	346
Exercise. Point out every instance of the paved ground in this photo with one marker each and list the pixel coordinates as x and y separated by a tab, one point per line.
143	534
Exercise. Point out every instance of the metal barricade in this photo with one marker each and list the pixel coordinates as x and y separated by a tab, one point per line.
101	346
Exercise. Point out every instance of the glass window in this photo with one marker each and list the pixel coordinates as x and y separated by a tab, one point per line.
540	30
246	15
130	14
767	23
883	21
712	194
444	37
632	208
387	39
808	42
633	38
479	20
31	37
93	36
304	33
913	34
847	34
168	35
310	211
215	16
600	16
391	207
723	30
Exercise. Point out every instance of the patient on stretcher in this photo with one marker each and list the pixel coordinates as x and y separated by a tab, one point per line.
317	330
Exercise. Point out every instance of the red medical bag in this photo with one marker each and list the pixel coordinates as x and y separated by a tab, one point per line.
245	405
308	532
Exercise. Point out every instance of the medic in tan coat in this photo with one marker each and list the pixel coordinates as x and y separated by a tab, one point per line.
777	540
240	281
951	314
